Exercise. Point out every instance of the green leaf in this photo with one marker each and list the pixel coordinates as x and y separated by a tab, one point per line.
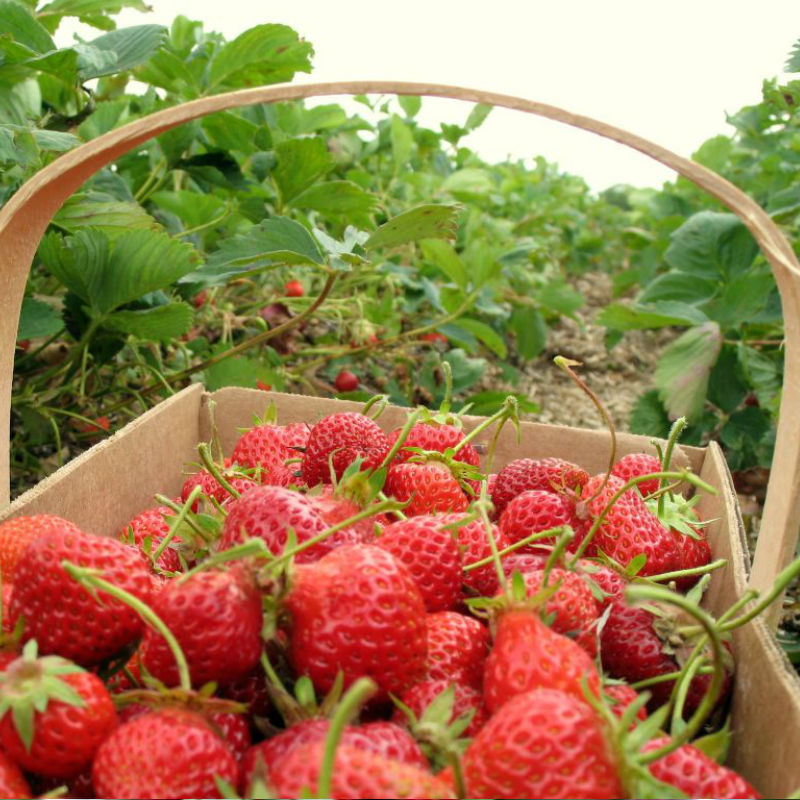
336	197
422	222
111	216
530	330
636	317
90	12
119	50
726	386
239	371
745	429
742	299
263	54
301	162
467	183
63	64
38	319
141	262
230	131
680	287
711	244
485	404
170	72
682	373
402	142
560	297
486	334
192	208
161	323
649	417
715	745
763	373
20	25
445	257
477	116
793	62
105	117
21	103
274	241
410	104
78	261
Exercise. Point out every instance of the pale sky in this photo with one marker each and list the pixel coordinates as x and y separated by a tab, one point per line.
666	71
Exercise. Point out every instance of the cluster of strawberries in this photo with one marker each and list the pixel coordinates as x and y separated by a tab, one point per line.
336	611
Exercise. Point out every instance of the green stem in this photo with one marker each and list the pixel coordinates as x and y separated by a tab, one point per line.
481	506
378	508
401	439
668	576
251	548
178	509
638	593
176	522
674	434
566	365
216	473
349	706
781	582
533	537
90	579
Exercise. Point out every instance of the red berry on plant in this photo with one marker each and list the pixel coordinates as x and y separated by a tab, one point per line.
346	381
294	289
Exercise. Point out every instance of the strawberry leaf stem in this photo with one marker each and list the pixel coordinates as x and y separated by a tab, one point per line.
349	706
183	512
534	537
216	472
675	431
638	593
401	439
91	580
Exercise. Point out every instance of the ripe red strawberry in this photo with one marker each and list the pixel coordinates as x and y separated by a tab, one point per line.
359	611
294	289
211	487
438	437
610	583
457	648
17	533
545	744
629	528
572	608
12	781
546	474
53	715
695	774
429	487
382	738
267	512
267	448
473	542
6	604
528	655
251	689
632	650
346	381
356	773
691	553
621	696
525	562
233	730
536	510
63	616
635	464
419	697
334	506
430	554
342	438
216	617
146	531
188	757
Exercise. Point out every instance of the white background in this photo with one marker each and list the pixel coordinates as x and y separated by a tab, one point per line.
669	71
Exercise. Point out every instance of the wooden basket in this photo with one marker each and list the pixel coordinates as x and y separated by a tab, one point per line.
106	486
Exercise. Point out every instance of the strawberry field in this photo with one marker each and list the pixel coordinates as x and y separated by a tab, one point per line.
381	608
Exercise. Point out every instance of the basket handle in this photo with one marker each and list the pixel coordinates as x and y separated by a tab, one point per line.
26	216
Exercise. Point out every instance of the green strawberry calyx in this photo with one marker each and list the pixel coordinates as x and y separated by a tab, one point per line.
30	683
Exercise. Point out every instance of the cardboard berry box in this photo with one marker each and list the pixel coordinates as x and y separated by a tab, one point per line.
106	486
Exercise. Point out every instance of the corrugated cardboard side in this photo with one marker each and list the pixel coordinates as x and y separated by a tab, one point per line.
106	486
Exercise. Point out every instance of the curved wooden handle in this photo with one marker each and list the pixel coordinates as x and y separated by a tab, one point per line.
26	216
